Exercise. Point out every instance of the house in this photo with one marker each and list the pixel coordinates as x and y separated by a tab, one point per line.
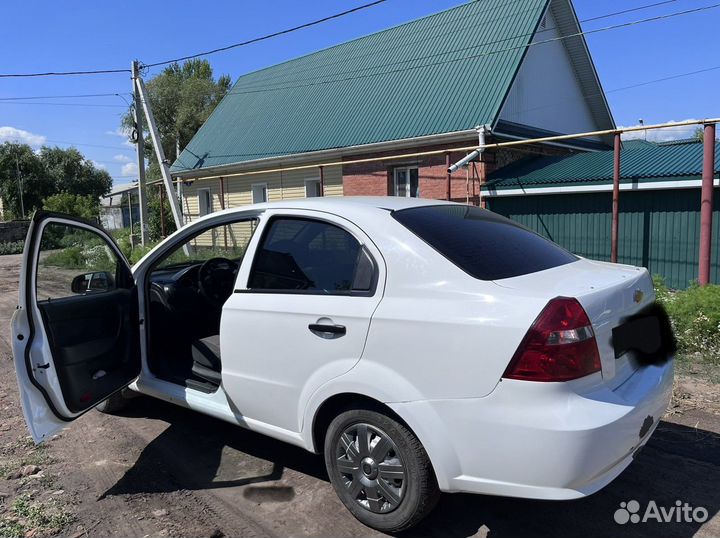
119	208
569	200
427	85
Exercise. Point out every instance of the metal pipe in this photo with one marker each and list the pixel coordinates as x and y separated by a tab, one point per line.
462	162
615	201
322	181
706	204
449	176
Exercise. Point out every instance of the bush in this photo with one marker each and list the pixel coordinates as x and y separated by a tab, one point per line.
695	315
11	247
86	207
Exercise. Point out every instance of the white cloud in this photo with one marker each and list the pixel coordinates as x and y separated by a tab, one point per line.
120	132
129	169
12	134
121	158
101	166
662	135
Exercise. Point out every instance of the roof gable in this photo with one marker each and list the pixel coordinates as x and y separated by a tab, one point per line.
430	76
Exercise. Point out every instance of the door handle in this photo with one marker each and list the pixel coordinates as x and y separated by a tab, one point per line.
327	331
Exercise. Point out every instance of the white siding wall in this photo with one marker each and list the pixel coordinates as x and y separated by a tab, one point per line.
546	93
281	186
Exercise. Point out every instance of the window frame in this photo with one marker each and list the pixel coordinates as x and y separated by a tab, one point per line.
209	200
408	169
319	189
349	293
252	193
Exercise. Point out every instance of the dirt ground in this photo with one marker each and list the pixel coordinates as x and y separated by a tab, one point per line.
159	470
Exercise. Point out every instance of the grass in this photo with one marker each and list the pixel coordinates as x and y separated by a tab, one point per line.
30	513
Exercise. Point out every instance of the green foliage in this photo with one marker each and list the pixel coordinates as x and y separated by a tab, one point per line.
695	315
86	207
132	253
40	515
39	175
182	98
155	224
11	247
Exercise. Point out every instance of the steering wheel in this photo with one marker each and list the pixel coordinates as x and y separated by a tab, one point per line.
216	278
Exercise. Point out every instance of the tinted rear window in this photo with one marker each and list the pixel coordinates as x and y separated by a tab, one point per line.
482	243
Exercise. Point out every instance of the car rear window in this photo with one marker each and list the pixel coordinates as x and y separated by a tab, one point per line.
482	243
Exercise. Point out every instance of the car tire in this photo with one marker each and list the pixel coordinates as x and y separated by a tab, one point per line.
113	404
387	484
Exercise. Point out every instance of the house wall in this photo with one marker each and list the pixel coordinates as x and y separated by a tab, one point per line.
546	93
376	178
281	186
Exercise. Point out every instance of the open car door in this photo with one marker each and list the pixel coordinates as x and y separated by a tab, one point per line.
75	333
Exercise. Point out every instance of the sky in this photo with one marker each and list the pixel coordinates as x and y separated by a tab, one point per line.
81	35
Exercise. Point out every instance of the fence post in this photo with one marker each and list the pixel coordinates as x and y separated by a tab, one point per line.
615	200
706	204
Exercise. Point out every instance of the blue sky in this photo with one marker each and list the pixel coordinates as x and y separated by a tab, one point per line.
93	35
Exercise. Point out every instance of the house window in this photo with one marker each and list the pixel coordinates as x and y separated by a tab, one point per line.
312	188
259	193
204	202
405	182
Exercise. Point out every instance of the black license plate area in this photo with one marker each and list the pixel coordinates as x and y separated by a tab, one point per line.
648	334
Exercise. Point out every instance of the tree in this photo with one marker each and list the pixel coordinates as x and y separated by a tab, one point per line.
28	177
699	134
83	206
23	180
182	98
71	172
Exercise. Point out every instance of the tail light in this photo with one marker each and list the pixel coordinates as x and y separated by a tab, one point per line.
559	346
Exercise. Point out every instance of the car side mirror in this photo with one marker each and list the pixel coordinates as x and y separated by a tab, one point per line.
92	282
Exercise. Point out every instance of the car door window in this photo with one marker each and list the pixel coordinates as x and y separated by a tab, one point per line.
74	261
310	256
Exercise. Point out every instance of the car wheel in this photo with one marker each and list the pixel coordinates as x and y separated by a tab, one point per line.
379	469
116	402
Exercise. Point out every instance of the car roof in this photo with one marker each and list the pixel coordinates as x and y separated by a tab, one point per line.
343	202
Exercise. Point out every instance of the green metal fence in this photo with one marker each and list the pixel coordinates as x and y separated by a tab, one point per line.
659	230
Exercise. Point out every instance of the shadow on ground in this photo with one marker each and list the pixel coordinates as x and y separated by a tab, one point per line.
197	452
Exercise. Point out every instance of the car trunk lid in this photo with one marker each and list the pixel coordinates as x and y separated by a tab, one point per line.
609	293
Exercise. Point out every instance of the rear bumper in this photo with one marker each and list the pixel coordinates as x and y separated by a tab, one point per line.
541	440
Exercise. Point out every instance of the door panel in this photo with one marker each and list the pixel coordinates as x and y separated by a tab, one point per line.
89	340
76	331
303	317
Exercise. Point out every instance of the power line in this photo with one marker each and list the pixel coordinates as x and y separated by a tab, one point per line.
79	96
63	73
100	105
459	29
266	36
317	82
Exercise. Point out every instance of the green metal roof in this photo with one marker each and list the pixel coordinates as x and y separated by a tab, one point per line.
639	160
429	76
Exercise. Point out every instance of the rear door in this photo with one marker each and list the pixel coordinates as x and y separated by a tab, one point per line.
301	315
75	333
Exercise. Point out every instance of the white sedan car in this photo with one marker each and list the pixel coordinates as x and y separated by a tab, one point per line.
421	346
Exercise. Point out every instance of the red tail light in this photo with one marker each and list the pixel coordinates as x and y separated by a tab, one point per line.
559	346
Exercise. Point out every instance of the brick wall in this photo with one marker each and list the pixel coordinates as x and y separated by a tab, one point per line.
376	178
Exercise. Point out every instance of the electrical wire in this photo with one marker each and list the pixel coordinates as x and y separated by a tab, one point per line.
83	95
64	73
317	82
266	36
83	105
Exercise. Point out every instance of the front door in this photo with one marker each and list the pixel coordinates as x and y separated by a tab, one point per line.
301	315
75	333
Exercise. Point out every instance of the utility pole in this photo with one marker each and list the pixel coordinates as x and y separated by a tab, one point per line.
142	193
142	98
20	186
